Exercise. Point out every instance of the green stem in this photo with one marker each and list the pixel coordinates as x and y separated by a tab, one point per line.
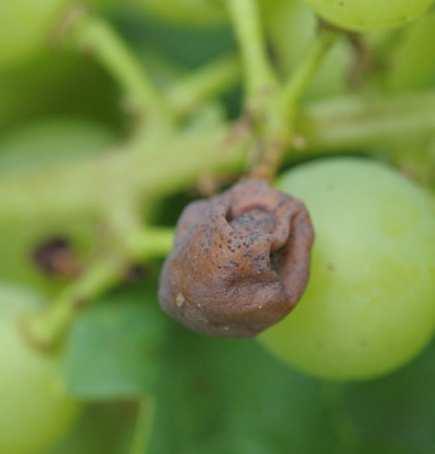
354	123
49	327
151	242
96	35
349	441
279	127
304	74
259	74
192	91
145	172
143	428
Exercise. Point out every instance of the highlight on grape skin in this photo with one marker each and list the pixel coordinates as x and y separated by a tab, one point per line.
365	15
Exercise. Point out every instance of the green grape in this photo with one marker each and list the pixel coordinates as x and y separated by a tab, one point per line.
369	14
35	409
411	66
25	26
36	152
369	306
292	29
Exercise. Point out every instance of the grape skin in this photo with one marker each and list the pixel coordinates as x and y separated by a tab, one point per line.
25	26
35	409
369	14
369	306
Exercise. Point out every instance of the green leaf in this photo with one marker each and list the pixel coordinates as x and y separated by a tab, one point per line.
225	397
397	410
104	427
113	350
220	396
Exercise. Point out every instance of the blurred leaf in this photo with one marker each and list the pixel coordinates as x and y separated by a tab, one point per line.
102	428
220	396
398	410
113	350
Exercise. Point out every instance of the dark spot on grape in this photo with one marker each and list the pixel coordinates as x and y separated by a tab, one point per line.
55	257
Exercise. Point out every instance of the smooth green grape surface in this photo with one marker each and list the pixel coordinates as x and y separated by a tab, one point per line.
35	409
369	305
25	26
369	14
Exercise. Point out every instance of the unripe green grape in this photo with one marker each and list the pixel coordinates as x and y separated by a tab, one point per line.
292	29
35	408
25	26
43	148
369	306
411	66
369	14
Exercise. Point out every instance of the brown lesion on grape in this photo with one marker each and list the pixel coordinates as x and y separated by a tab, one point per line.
240	261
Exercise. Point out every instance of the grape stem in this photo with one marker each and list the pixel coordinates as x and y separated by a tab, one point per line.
143	429
350	123
95	35
259	75
305	73
271	106
280	120
48	328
